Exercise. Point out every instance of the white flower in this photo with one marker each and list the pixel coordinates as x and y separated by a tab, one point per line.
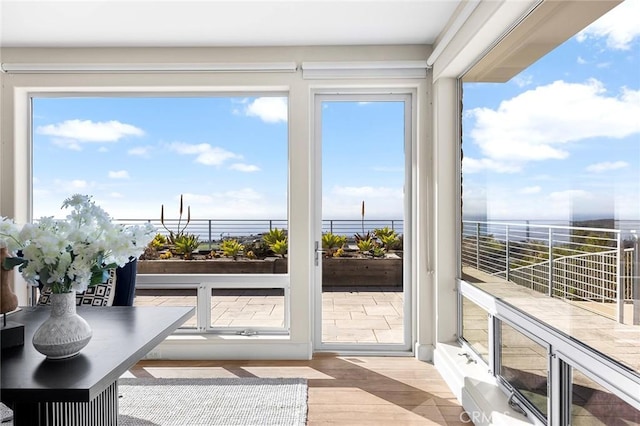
71	254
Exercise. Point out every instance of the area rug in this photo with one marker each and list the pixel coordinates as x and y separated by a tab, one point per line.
220	401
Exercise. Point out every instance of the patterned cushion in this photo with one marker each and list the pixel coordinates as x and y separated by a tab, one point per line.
96	295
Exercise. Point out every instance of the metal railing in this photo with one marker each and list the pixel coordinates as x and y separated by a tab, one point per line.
212	230
573	263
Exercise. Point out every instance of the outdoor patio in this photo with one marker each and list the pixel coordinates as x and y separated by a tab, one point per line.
349	314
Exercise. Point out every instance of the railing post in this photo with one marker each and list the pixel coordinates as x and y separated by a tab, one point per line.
270	225
635	279
210	236
550	293
507	257
478	246
619	289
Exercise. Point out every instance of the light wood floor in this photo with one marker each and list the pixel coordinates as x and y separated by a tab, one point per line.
350	390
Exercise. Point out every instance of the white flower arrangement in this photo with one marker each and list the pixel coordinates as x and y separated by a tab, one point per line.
73	253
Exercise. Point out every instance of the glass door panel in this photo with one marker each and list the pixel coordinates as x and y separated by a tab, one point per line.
361	243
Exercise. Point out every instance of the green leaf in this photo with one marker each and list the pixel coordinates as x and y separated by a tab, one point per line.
11	262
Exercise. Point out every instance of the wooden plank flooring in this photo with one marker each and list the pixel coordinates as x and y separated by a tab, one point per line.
349	390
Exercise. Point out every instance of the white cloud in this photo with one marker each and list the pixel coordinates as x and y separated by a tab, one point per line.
67	144
247	202
90	131
116	195
522	80
534	125
473	165
581	61
345	202
241	167
79	184
119	174
606	166
205	153
531	190
570	194
270	109
141	151
103	149
619	26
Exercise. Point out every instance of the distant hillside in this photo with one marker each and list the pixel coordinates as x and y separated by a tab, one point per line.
595	223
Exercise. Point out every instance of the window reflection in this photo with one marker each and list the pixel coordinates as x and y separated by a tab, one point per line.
524	366
475	328
593	405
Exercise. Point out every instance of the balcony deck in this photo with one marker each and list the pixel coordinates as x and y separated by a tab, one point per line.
580	320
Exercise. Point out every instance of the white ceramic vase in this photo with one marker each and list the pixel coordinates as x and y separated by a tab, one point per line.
64	333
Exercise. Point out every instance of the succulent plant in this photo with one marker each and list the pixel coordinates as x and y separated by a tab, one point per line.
186	244
365	246
280	247
331	242
274	235
231	248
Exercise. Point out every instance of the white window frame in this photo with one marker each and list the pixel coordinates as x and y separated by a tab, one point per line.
203	283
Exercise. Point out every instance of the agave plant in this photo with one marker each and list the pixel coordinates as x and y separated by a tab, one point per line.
384	232
366	246
363	237
331	242
280	247
231	248
186	244
276	240
274	235
173	236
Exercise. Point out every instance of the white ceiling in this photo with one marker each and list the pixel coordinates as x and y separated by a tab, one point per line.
86	23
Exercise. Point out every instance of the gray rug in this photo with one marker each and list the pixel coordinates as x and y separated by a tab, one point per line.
223	401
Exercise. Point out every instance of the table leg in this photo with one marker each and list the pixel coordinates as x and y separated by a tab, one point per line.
101	411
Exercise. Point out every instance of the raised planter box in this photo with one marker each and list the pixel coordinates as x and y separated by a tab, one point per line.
336	272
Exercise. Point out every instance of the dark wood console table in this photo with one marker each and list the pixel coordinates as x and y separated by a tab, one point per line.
82	390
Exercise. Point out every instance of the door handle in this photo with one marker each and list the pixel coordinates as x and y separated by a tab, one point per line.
317	251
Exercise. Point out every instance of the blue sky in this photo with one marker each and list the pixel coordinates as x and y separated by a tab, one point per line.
561	140
227	156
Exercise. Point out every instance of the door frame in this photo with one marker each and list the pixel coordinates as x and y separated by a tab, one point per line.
408	95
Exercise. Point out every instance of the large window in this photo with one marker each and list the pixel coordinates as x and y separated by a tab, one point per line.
551	183
210	172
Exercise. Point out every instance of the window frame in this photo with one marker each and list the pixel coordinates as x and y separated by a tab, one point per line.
200	282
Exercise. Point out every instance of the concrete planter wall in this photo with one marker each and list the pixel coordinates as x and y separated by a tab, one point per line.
336	272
